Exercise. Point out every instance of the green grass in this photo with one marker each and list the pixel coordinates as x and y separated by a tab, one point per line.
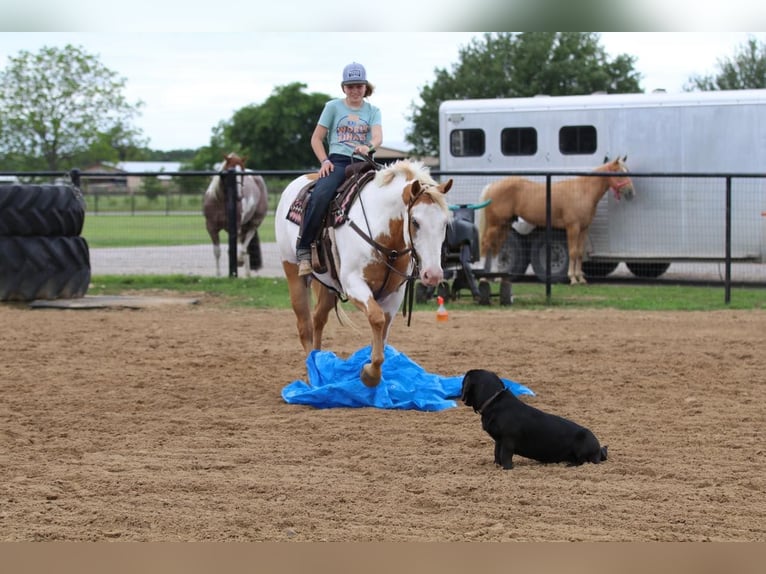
260	292
157	229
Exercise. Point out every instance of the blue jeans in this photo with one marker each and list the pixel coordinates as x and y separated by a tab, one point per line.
319	200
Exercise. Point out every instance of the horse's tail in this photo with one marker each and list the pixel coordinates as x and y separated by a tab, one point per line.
482	220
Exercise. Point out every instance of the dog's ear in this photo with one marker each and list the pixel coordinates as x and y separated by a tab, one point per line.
467	382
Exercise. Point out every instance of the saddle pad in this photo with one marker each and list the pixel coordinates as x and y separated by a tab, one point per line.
335	382
341	203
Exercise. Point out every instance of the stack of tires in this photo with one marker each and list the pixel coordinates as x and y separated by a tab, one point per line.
42	255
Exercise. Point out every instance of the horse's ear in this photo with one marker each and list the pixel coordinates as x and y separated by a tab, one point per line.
606	159
625	157
445	187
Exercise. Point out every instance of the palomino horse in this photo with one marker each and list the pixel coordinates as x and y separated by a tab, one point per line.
394	227
252	205
573	205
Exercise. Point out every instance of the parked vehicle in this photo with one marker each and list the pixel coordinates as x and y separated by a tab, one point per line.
701	137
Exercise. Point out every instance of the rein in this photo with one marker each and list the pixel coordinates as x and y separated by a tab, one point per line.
391	255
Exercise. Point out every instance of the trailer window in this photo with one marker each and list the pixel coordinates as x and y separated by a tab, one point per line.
577	140
466	143
518	141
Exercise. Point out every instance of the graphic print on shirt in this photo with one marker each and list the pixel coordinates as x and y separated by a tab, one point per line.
352	130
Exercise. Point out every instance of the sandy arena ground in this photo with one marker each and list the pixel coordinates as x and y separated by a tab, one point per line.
167	424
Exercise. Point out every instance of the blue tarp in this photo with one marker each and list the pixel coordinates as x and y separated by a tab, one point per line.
404	385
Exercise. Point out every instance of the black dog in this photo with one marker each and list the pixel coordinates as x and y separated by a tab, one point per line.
519	428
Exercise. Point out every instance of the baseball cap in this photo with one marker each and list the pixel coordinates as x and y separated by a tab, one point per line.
354	74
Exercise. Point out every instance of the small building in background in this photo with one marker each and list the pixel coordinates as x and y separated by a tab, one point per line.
125	176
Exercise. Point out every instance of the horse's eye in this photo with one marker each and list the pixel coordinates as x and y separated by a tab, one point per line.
416	224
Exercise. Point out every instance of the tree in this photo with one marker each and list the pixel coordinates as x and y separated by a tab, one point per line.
276	134
507	64
58	104
746	70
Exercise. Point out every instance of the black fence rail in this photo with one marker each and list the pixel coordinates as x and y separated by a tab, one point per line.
723	184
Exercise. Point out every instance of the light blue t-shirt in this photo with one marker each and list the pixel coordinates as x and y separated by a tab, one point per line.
346	127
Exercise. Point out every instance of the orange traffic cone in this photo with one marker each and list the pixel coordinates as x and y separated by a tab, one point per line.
441	312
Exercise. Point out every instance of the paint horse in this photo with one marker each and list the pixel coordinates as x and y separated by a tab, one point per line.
252	205
573	206
393	232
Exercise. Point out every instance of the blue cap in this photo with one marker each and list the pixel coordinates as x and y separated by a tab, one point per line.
354	74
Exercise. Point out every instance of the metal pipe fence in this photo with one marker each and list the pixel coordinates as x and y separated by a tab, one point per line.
173	197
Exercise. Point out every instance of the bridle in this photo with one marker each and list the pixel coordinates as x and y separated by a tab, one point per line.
240	179
391	255
618	184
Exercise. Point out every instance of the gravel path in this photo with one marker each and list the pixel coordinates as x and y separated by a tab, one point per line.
185	259
198	260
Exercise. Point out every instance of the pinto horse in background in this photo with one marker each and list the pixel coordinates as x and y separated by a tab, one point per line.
252	205
573	205
393	230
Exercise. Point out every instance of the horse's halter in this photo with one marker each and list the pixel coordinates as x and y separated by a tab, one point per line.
391	254
618	184
241	175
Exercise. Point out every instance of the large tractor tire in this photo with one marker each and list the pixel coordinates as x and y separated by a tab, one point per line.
41	210
43	268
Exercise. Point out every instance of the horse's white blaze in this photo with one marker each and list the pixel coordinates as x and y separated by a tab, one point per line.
428	242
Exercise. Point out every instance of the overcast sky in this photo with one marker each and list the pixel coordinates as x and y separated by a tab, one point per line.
191	81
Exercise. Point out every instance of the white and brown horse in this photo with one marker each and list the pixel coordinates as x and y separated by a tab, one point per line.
395	227
252	206
573	205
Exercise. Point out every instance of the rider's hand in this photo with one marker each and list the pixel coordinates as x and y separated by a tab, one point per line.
363	149
325	168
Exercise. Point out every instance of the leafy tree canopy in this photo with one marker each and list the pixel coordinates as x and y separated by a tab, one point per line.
745	70
274	135
60	107
510	64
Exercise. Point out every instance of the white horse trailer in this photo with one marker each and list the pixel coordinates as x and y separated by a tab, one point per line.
669	218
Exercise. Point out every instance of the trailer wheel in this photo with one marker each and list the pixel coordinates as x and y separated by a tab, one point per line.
485	292
559	255
43	268
598	268
506	293
648	270
513	257
47	210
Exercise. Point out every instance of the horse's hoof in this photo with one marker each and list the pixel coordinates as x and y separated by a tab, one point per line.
369	380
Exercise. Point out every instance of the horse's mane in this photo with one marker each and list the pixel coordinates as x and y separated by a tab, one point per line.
412	170
214	189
